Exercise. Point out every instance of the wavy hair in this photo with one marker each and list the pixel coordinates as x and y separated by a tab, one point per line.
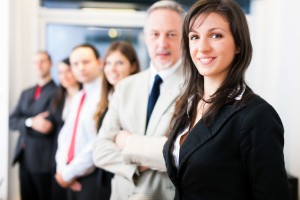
233	85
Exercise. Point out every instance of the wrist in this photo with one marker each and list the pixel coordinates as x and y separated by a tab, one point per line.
28	122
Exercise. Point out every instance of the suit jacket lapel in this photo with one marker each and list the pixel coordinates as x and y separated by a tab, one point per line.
170	90
141	109
200	134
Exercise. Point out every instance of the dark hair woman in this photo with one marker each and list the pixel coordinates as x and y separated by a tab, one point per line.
226	142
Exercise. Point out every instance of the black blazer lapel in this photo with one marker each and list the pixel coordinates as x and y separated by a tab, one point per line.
200	134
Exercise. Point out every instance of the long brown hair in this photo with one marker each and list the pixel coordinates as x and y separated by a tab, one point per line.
233	85
128	51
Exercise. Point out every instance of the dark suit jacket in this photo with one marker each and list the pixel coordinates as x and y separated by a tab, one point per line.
35	147
239	157
58	122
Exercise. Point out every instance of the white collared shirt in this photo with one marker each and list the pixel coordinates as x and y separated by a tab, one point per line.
164	74
82	163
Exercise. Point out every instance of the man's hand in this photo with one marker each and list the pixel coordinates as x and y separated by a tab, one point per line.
73	185
122	138
41	124
76	186
143	168
61	181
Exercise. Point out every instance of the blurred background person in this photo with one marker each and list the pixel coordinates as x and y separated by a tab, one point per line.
35	143
120	61
75	169
59	111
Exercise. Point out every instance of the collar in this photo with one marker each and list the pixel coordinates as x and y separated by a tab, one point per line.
91	86
45	84
164	74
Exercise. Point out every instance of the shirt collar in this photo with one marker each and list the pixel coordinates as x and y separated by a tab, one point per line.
91	86
164	73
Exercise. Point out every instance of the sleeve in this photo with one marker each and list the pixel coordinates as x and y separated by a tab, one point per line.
262	141
17	118
82	164
145	151
105	153
62	146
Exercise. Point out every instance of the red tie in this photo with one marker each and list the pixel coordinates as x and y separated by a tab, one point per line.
37	92
72	146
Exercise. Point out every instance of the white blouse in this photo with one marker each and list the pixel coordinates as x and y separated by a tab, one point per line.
176	145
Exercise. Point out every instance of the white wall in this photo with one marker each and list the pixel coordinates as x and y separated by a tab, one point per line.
23	43
290	81
274	73
4	63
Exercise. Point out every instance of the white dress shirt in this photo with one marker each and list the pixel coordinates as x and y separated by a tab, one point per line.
164	74
82	163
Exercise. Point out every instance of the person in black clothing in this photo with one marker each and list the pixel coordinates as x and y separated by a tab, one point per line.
226	142
35	143
59	111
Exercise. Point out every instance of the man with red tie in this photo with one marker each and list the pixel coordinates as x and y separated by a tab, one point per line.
75	168
35	143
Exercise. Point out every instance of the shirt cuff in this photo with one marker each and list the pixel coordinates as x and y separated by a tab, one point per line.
67	174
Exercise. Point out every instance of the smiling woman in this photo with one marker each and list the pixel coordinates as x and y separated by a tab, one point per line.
120	61
226	141
212	46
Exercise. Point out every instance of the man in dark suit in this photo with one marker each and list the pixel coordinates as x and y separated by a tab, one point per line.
34	146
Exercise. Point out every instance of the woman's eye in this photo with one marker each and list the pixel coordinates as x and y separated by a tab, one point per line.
193	37
119	63
215	36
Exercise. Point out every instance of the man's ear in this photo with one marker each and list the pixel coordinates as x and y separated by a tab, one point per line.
100	63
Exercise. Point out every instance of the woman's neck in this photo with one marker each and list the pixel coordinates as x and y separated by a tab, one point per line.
72	90
210	87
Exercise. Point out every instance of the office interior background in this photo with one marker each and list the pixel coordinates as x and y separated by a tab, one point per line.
27	26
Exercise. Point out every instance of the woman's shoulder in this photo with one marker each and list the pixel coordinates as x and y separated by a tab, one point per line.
258	109
256	101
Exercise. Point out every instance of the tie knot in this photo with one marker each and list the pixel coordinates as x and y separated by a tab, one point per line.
37	92
157	80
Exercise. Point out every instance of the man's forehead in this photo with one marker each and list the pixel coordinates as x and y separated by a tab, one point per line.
40	56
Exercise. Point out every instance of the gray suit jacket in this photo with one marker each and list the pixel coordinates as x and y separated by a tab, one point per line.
127	111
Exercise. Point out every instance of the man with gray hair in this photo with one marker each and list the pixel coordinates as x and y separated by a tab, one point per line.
136	126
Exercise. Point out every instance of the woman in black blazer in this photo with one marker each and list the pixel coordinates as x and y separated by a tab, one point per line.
226	142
